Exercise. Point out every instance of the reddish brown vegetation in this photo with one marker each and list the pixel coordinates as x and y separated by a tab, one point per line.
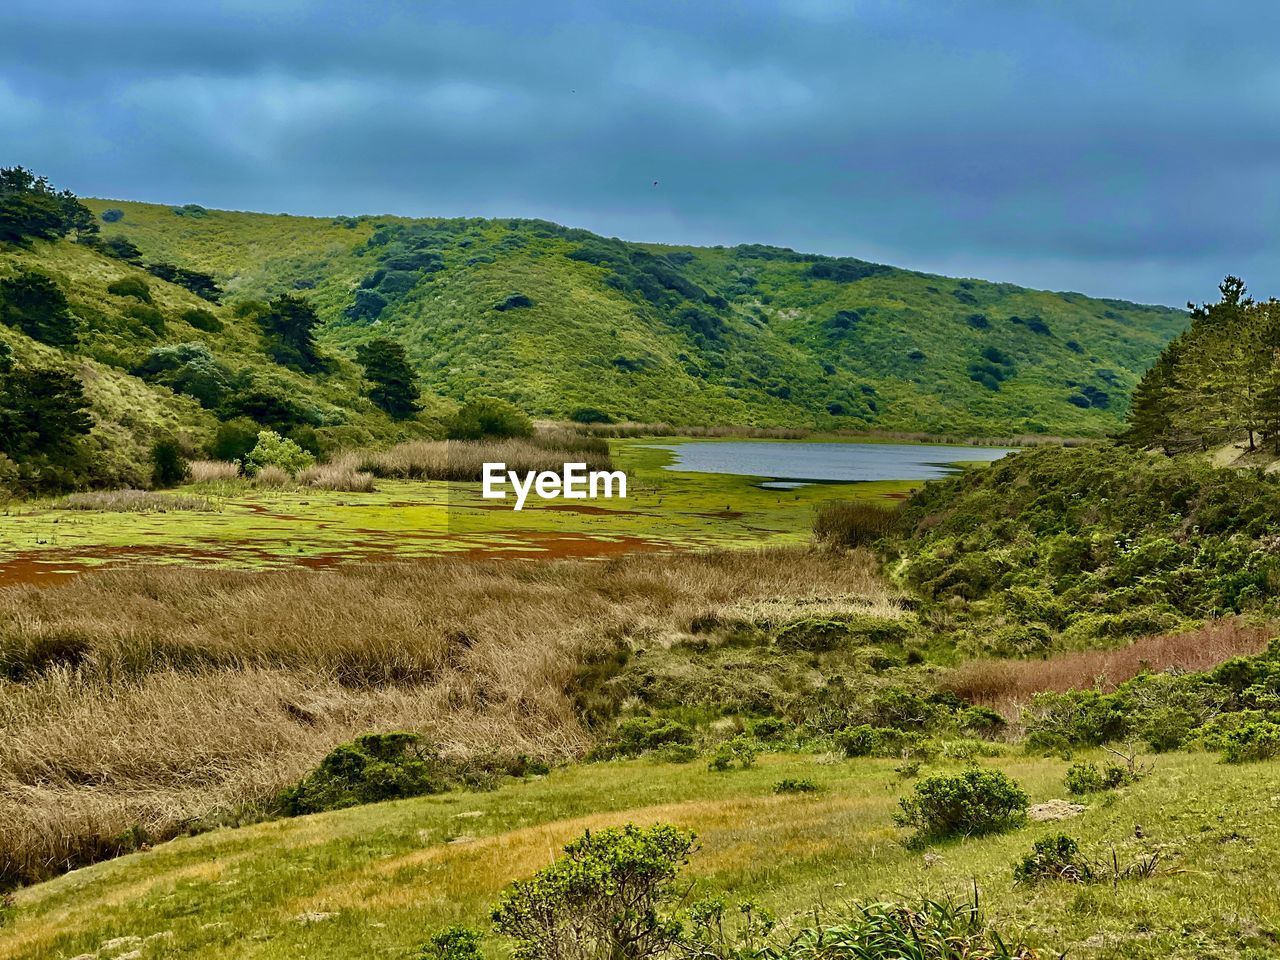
1005	684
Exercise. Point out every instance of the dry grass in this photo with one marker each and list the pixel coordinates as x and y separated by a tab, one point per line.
161	698
844	523
465	459
214	471
670	430
1006	685
342	473
272	478
135	501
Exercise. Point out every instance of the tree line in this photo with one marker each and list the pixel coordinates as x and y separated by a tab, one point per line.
1217	382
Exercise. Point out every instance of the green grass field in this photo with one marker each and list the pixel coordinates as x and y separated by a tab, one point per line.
376	881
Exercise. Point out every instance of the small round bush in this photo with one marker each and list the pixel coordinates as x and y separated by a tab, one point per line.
454	943
112	216
134	287
971	803
273	450
489	418
1055	857
202	320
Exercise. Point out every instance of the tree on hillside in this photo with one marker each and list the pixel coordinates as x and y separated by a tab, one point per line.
43	415
30	209
395	385
289	324
35	305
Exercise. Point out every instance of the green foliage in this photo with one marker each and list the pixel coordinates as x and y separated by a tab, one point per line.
289	325
610	895
235	439
453	943
273	450
202	320
484	418
43	418
971	803
34	304
636	735
373	768
740	751
201	284
1085	778
30	209
134	287
395	385
170	467
1250	742
188	368
865	740
1055	857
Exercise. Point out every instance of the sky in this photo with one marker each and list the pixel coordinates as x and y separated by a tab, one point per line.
1122	148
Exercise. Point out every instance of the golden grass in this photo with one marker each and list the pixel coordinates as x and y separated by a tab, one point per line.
465	459
213	471
164	698
342	473
272	478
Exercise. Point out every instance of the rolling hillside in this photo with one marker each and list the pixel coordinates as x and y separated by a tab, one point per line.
560	320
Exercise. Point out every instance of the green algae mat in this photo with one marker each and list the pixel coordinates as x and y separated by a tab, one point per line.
246	527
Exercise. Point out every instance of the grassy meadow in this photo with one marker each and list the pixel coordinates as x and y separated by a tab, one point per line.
378	880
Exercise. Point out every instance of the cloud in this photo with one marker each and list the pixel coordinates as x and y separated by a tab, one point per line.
1074	144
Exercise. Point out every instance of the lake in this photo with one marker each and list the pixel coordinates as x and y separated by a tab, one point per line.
791	463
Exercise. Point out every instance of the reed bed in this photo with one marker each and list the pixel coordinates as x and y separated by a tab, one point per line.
341	473
140	703
629	429
136	501
213	471
465	459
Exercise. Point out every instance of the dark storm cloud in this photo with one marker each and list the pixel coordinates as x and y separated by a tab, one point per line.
1126	149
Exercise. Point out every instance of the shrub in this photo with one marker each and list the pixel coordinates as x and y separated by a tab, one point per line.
1085	778
489	417
375	767
840	523
789	785
740	750
35	305
134	287
971	803
112	215
516	301
146	317
273	450
865	740
168	466
235	439
1053	858
202	319
814	635
610	895
454	943
1251	741
636	735
590	415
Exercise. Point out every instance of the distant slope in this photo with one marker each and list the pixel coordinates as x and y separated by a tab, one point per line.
558	319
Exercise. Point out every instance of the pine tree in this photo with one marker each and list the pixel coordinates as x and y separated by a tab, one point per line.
395	385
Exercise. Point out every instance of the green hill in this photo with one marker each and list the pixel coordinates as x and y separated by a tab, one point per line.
558	320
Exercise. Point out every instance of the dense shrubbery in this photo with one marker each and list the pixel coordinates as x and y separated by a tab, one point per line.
381	766
1090	546
483	418
971	803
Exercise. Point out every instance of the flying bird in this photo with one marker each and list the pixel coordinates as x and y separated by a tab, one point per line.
655	183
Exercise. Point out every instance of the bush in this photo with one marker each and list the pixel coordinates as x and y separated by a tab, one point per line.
1053	858
489	417
590	415
235	439
202	320
636	735
740	750
789	785
516	301
454	943
610	895
840	523
35	305
112	215
146	317
273	450
1085	778
865	740
1251	741
375	767
169	466
134	287
971	803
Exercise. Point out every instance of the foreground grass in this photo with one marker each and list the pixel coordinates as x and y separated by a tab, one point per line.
376	881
